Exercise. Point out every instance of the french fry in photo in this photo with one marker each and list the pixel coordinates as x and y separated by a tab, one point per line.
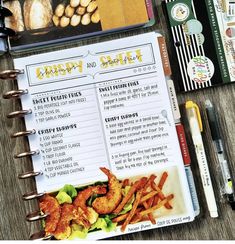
150	215
137	185
159	205
148	196
133	210
119	218
159	189
149	182
162	180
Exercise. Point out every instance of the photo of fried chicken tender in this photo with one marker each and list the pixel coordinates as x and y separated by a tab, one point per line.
106	204
68	213
87	215
50	205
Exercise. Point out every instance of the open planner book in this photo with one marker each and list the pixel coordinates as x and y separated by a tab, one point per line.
104	146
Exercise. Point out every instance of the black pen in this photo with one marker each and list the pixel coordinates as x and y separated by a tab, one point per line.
227	187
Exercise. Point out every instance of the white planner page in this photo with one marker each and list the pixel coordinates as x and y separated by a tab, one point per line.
103	105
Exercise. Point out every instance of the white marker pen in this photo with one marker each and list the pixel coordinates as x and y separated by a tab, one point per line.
195	124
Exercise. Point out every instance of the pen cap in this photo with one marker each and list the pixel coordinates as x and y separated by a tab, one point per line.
213	121
194	118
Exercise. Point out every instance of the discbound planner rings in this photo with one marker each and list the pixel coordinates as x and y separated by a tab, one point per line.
19	114
32	195
10	74
14	94
40	236
37	215
26	154
28	174
23	133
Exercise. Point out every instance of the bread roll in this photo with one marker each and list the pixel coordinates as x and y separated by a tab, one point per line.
15	21
37	14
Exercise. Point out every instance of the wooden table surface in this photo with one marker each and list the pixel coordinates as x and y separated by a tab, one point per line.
13	209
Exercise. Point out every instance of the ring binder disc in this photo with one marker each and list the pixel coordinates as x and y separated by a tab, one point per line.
14	94
10	74
37	215
28	174
40	236
23	133
19	114
32	195
26	154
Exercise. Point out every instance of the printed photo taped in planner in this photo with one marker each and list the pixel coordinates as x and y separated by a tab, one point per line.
123	205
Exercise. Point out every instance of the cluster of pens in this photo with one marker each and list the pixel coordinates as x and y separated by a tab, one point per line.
195	124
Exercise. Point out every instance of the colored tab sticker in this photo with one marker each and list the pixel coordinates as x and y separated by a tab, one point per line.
183	144
164	56
173	98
